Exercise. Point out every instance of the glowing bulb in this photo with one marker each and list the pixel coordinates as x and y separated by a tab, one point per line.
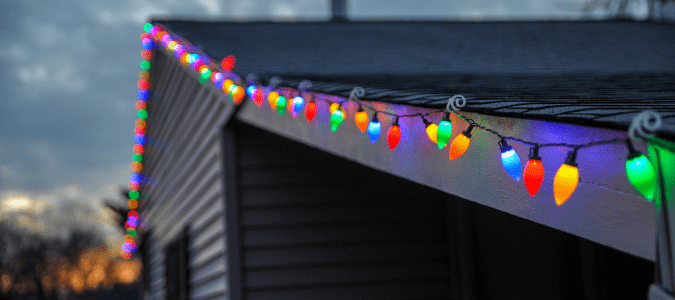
394	135
374	129
145	65
533	175
566	179
228	63
444	131
257	96
431	129
142	114
361	119
147	27
297	104
218	79
460	144
237	94
333	107
132	204
281	105
134	195
137	157
185	59
336	119
140	104
227	84
641	173
133	186
143	95
133	214
310	111
146	54
510	160
272	99
205	74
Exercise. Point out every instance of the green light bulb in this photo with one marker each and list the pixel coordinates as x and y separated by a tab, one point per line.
145	65
142	114
137	157
444	131
281	105
641	174
336	119
134	195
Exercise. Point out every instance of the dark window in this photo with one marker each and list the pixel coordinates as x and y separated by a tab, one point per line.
177	270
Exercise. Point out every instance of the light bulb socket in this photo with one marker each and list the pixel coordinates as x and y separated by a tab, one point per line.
360	109
571	158
467	132
395	121
446	116
426	122
374	119
534	153
503	146
632	152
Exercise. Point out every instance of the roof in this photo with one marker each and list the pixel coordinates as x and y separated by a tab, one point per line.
598	74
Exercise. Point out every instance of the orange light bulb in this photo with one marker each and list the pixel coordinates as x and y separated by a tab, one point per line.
460	144
333	107
361	119
566	179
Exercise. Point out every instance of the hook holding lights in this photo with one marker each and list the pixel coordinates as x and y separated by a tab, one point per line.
456	102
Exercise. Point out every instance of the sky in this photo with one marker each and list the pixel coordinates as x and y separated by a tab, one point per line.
68	73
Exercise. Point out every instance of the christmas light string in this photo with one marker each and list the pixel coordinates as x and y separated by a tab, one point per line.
639	170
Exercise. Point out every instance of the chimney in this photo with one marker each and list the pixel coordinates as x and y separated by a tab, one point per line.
339	10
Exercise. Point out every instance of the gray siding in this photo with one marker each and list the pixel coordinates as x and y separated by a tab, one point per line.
184	171
312	228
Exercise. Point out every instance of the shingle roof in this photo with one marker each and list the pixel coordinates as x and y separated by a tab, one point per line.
591	73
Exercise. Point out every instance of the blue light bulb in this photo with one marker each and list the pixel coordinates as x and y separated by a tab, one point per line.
139	139
510	160
249	91
297	105
374	129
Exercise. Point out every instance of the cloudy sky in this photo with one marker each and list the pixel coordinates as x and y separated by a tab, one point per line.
68	72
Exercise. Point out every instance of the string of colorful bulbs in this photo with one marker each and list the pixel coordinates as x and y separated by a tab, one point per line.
639	170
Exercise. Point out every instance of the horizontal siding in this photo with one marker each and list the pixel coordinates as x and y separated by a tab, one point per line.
314	226
183	164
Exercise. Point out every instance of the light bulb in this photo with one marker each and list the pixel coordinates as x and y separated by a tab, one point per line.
444	131
336	119
281	105
431	129
533	175
333	107
257	96
237	93
310	111
228	63
374	128
510	160
361	119
298	104
272	99
640	173
394	135
460	144
566	179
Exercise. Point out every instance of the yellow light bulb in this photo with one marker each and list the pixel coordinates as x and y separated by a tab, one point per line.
566	179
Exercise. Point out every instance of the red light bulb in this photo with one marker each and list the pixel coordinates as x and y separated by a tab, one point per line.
228	63
394	135
534	172
310	111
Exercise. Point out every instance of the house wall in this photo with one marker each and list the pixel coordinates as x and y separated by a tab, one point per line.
184	179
